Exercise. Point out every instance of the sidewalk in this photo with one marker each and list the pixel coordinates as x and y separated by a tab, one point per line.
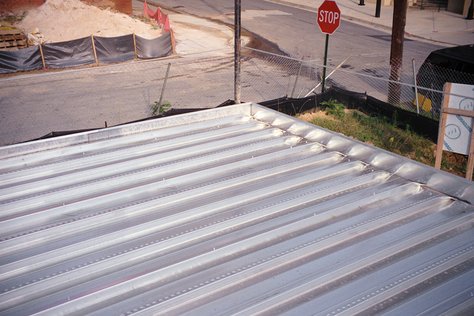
443	27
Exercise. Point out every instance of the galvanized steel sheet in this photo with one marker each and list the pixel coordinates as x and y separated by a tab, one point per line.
237	210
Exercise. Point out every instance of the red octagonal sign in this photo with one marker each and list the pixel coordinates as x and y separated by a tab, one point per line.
329	17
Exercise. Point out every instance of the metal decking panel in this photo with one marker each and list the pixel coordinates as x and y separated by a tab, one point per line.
238	210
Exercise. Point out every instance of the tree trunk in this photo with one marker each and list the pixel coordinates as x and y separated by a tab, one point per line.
396	52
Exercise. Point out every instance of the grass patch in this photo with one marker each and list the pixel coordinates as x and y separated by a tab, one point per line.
383	133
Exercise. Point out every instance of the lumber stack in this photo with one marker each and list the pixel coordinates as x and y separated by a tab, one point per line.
11	39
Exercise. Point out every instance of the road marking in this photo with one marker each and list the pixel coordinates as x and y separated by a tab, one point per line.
252	14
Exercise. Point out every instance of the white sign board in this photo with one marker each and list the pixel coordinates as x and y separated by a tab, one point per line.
458	131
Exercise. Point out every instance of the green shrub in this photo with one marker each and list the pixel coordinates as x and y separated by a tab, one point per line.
334	108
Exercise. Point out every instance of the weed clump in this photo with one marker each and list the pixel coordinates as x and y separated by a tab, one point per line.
158	109
334	108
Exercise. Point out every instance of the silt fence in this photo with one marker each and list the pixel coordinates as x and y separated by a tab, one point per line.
86	51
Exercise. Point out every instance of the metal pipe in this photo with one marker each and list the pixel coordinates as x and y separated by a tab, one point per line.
330	74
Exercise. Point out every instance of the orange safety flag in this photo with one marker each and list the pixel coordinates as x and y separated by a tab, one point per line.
159	16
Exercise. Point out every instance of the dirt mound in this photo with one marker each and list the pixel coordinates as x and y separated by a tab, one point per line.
63	20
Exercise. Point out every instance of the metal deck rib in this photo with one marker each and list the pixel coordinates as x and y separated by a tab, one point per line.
238	210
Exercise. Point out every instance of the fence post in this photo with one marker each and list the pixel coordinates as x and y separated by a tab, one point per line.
135	46
416	87
237	47
94	51
173	42
42	56
442	125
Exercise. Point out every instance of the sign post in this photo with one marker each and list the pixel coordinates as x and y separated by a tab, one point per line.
329	19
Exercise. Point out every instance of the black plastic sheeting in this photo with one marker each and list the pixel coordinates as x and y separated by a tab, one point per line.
114	49
20	60
81	52
154	48
353	100
67	54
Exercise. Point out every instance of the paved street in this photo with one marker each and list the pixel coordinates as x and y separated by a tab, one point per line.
34	105
296	33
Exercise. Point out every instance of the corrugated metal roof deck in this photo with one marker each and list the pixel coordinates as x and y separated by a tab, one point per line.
233	210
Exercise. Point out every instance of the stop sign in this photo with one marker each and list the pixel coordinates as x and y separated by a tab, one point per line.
329	16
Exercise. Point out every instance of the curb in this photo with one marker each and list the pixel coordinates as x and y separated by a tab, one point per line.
344	16
362	22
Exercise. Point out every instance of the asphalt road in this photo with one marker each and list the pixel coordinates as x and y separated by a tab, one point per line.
296	33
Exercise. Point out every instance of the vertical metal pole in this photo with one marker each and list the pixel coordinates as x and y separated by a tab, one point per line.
442	125
325	62
237	43
416	86
361	2
164	84
378	6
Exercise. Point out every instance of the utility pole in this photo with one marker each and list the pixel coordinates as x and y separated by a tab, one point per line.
237	44
396	52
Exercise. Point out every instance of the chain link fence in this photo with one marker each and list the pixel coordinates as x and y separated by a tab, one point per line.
406	85
33	104
92	97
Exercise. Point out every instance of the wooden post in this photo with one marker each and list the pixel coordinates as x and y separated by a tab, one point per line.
135	47
470	159
42	56
442	126
173	42
93	50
